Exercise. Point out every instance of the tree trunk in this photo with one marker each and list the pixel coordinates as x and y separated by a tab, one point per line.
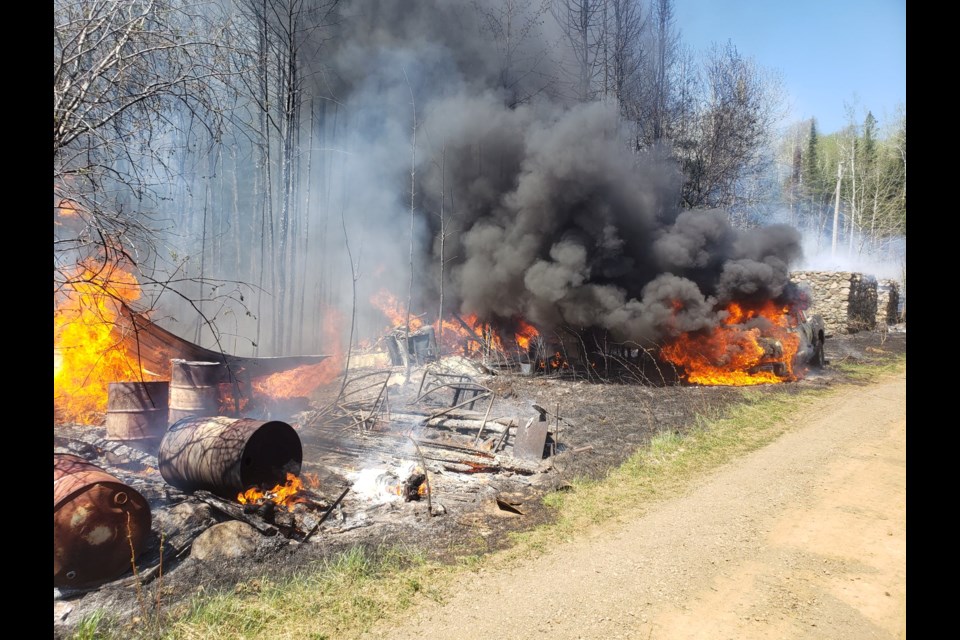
836	212
443	238
413	184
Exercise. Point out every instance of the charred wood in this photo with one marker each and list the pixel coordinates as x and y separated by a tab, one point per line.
236	512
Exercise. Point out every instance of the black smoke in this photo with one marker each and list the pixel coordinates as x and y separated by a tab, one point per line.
549	213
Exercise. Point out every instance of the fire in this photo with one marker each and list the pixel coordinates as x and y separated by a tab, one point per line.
394	310
298	382
88	354
467	334
525	333
752	346
282	495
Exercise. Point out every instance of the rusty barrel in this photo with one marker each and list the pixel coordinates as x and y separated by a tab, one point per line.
194	389
227	456
137	410
100	524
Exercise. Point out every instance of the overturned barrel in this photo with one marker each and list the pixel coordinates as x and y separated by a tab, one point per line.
100	524
195	388
137	410
227	456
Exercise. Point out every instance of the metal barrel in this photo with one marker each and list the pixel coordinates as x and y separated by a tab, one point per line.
194	389
227	456
100	524
137	410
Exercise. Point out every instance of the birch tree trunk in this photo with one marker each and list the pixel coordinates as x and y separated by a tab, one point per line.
836	212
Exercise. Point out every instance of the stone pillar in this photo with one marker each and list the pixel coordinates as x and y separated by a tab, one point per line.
846	300
888	303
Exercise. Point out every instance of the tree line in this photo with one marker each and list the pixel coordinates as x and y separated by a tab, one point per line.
849	187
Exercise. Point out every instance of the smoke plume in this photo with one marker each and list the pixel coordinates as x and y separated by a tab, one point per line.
547	211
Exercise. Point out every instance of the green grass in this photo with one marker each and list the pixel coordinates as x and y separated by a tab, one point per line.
91	627
338	598
347	595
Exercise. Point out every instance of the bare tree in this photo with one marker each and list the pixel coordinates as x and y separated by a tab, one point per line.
666	44
733	130
623	30
581	23
835	233
514	27
138	85
289	36
121	71
413	209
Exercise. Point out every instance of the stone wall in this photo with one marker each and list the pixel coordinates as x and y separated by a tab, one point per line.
888	303
847	301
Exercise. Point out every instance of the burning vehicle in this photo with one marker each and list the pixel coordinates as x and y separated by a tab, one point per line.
812	334
764	343
810	352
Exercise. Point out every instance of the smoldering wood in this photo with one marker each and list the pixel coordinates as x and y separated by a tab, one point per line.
411	486
235	511
455	421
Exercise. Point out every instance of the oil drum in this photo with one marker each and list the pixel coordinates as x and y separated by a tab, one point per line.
100	524
227	456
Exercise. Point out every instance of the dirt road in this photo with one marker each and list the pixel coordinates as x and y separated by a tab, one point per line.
805	538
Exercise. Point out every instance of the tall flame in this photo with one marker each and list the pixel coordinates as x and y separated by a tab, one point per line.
394	310
525	333
88	354
743	350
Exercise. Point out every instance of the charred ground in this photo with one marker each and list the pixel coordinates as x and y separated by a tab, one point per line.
601	425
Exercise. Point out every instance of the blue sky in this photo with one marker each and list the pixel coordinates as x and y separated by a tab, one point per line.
828	54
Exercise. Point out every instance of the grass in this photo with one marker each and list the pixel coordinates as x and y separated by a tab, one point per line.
347	595
91	627
336	599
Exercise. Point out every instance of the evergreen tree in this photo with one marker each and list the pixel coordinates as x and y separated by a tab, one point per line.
812	181
869	146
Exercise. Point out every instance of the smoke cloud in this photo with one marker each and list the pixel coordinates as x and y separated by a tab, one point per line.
547	212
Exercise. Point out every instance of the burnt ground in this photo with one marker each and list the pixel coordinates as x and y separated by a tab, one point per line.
473	512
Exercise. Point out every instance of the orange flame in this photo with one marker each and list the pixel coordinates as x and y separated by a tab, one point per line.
733	354
88	354
298	382
394	310
554	363
282	495
525	333
480	338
